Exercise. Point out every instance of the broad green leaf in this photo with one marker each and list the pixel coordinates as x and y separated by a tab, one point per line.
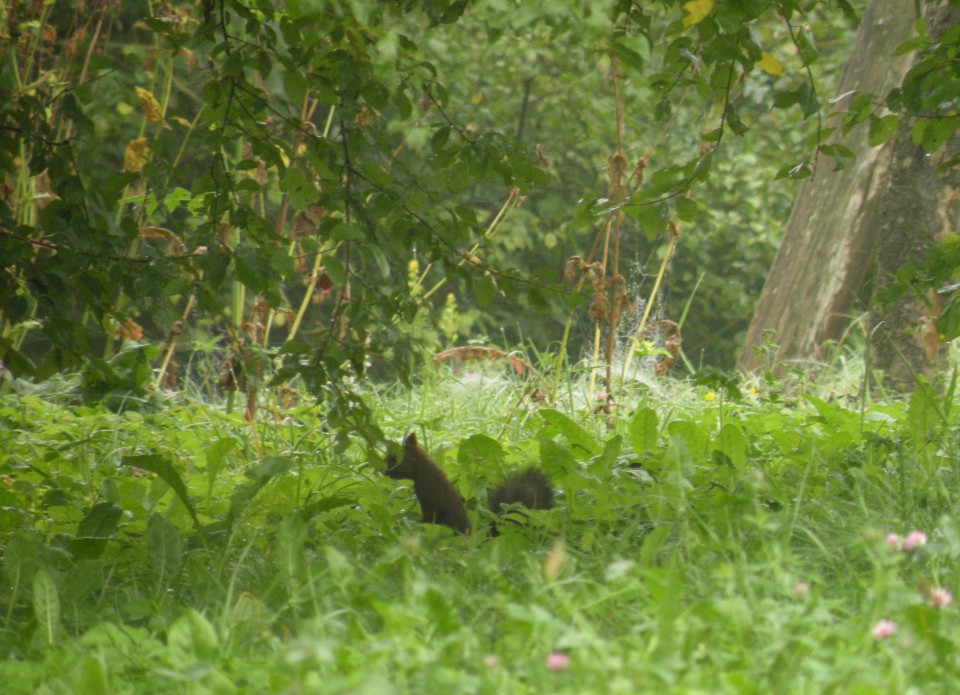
732	443
882	128
46	606
924	414
302	192
911	45
20	560
652	544
163	468
268	469
91	677
948	324
479	449
692	435
574	433
644	429
192	638
100	522
289	551
295	85
485	291
164	549
216	458
346	232
555	458
938	132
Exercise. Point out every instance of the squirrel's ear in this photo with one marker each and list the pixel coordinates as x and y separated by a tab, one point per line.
411	440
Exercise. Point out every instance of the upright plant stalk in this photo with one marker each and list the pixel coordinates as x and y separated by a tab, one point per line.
674	231
314	273
614	294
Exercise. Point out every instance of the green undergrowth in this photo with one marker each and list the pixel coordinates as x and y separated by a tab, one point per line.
704	541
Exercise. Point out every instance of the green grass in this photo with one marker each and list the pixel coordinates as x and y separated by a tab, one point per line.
700	545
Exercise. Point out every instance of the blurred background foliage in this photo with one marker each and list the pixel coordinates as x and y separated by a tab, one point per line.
345	187
541	73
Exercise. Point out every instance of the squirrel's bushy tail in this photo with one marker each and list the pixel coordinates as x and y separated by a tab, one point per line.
530	488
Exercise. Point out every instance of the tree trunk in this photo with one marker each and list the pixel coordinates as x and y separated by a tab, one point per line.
870	217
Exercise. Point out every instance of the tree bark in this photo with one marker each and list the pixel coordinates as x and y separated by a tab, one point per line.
872	216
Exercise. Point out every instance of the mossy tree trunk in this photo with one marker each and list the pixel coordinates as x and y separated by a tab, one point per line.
864	221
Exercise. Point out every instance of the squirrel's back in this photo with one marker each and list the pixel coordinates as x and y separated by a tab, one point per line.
439	500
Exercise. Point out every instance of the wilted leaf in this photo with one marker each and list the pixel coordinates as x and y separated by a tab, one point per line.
770	65
697	11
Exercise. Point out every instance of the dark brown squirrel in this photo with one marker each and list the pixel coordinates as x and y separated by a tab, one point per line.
441	503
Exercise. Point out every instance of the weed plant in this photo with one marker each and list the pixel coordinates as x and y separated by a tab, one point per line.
708	539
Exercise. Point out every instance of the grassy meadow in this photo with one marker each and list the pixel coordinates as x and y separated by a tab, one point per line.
706	539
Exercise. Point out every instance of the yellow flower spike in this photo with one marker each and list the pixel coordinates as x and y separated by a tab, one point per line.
149	105
413	277
136	155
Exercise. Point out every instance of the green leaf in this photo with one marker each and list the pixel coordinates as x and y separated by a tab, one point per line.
644	429
163	468
882	128
164	549
786	98
14	360
288	555
302	192
46	606
335	270
627	55
948	324
938	132
440	138
691	434
346	232
687	209
574	433
295	85
485	291
325	504
20	561
911	45
100	522
269	468
652	544
809	102
192	638
479	449
924	413
555	458
216	458
732	443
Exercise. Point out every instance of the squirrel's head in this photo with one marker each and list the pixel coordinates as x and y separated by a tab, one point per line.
397	467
